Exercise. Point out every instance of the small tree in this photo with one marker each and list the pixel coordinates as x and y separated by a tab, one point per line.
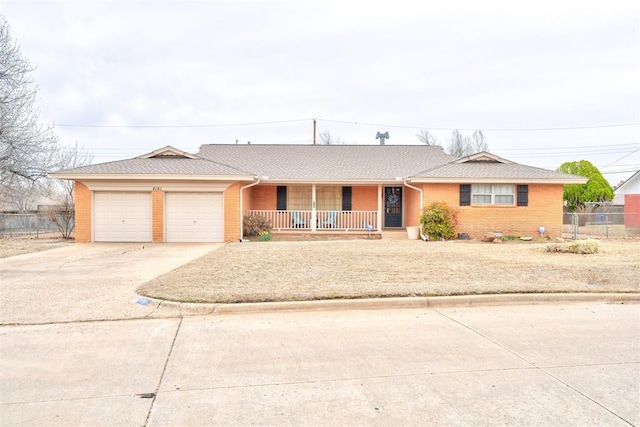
62	191
597	189
439	221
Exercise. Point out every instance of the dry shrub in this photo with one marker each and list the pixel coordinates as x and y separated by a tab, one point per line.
581	247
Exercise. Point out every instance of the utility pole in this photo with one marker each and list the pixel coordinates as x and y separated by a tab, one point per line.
314	131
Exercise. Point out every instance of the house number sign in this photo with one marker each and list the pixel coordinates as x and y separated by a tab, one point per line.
157	188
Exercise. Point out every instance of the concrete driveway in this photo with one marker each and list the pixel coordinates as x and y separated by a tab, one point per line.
541	365
94	281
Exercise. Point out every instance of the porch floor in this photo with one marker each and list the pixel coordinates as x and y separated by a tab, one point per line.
394	234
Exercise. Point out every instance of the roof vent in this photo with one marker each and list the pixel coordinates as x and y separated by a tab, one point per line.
382	137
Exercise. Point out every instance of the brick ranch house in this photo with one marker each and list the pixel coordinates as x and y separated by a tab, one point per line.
169	195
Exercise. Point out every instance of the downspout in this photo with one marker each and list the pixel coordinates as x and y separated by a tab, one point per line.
406	183
241	214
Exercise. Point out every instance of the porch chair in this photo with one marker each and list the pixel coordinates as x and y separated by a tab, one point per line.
330	221
296	221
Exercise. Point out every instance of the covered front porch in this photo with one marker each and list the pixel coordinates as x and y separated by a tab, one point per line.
317	220
331	208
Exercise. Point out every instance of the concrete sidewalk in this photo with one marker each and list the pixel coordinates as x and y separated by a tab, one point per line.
552	364
94	281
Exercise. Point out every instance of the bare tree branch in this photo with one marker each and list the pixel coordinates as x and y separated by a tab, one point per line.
427	138
461	146
28	149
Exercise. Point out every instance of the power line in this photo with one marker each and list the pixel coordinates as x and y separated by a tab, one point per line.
626	155
179	126
612	146
481	128
213	125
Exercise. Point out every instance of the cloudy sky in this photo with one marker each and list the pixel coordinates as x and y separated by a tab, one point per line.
547	81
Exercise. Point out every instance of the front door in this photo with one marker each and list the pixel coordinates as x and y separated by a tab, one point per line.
393	207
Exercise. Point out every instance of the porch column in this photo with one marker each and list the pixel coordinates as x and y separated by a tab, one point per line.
380	189
314	215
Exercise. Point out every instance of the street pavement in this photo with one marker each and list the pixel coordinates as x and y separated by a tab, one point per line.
76	349
538	365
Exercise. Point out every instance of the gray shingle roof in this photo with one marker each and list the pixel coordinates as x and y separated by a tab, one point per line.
329	162
159	166
320	163
489	170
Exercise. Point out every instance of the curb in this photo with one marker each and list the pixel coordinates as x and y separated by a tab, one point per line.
195	309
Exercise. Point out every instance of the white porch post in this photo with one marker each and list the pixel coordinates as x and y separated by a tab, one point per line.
380	207
313	208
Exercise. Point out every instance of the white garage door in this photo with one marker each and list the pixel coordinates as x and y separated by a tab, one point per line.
122	217
194	217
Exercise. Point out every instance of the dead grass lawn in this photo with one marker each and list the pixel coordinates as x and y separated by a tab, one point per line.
291	271
12	246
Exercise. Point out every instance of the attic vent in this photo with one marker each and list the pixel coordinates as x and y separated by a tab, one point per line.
483	160
169	154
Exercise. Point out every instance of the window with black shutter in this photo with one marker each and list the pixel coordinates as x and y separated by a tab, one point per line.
346	198
523	195
465	195
282	198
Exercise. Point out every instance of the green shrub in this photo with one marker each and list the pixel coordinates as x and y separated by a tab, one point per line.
582	247
439	221
255	224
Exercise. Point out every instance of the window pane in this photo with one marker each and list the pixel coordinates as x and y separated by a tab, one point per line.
503	189
504	200
479	199
481	189
328	198
299	198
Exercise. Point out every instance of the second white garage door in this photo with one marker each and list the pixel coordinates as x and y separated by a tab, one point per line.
194	217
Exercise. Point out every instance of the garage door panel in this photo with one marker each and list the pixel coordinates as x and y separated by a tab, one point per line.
194	217
122	217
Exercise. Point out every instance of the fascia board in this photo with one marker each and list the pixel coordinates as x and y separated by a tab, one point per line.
148	177
331	182
563	181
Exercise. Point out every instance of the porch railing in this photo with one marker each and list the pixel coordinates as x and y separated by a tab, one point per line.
322	221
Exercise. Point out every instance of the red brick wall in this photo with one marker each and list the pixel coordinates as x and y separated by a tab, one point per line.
631	210
82	197
412	209
232	213
263	197
364	198
157	216
545	208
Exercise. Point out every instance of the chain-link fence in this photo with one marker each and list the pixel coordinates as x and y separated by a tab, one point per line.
32	224
581	225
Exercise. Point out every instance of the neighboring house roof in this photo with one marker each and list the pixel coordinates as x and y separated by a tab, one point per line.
630	186
319	163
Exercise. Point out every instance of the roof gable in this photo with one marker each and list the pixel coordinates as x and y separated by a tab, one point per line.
483	157
167	151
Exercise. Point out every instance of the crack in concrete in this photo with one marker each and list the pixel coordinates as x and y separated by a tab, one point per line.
539	368
164	370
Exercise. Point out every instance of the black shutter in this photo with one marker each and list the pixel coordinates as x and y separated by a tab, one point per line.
465	195
346	198
282	198
523	195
